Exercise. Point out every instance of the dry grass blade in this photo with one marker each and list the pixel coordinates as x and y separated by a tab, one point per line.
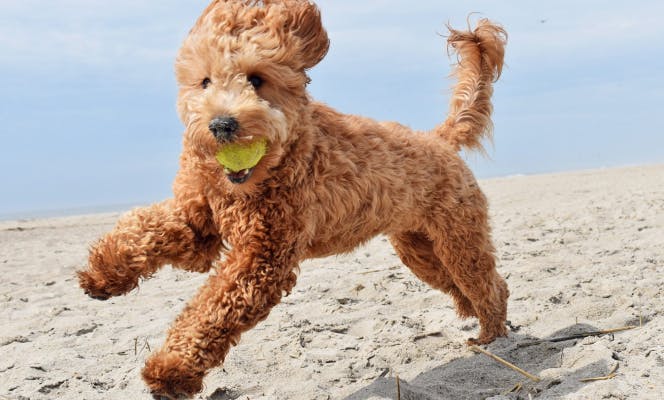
506	363
426	335
577	336
398	388
373	271
145	345
610	375
515	389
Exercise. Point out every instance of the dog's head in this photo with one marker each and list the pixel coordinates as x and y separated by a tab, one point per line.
242	75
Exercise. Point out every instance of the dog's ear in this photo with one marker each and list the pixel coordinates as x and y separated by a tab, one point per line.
304	22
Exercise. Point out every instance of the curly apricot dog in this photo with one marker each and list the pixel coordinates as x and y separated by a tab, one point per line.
327	183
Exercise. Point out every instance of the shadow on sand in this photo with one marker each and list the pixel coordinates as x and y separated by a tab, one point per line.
479	377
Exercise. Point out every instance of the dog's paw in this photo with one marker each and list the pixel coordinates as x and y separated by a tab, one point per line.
102	287
156	396
93	285
479	341
170	379
488	335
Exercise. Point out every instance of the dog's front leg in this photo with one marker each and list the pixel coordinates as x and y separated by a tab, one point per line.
143	241
255	275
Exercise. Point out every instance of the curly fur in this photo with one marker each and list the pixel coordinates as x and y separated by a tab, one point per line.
328	183
481	55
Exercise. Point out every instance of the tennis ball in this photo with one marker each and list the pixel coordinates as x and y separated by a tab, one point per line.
240	156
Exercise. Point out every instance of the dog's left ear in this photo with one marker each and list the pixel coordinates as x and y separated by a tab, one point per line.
305	23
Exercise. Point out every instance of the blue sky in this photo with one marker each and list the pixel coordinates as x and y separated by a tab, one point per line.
87	93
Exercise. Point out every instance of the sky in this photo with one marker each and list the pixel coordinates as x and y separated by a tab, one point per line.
87	90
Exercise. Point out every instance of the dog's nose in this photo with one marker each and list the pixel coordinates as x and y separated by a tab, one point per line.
224	128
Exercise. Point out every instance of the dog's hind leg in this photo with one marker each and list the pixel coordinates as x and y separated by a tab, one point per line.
416	252
462	241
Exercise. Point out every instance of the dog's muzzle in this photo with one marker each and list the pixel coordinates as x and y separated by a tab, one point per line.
224	128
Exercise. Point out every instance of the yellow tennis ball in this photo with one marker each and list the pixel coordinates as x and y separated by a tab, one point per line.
240	156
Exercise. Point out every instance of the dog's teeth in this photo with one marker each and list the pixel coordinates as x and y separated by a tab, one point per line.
245	172
227	171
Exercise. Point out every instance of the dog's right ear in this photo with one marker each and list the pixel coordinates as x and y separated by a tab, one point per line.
304	22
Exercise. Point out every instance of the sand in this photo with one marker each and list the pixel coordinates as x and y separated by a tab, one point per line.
581	251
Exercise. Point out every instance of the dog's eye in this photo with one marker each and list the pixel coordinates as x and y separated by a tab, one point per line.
255	80
205	83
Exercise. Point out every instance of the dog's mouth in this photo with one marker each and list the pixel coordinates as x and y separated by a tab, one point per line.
240	176
239	159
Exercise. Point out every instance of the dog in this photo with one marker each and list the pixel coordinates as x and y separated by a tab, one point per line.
327	183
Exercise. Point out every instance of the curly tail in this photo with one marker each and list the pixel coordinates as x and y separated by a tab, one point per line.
480	55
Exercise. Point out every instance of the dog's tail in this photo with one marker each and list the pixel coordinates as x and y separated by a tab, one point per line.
480	54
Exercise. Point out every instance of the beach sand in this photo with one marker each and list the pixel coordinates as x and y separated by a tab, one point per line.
581	251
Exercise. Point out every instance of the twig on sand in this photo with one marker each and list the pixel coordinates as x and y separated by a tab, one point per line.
515	389
145	345
398	388
370	271
610	375
426	335
577	336
506	363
